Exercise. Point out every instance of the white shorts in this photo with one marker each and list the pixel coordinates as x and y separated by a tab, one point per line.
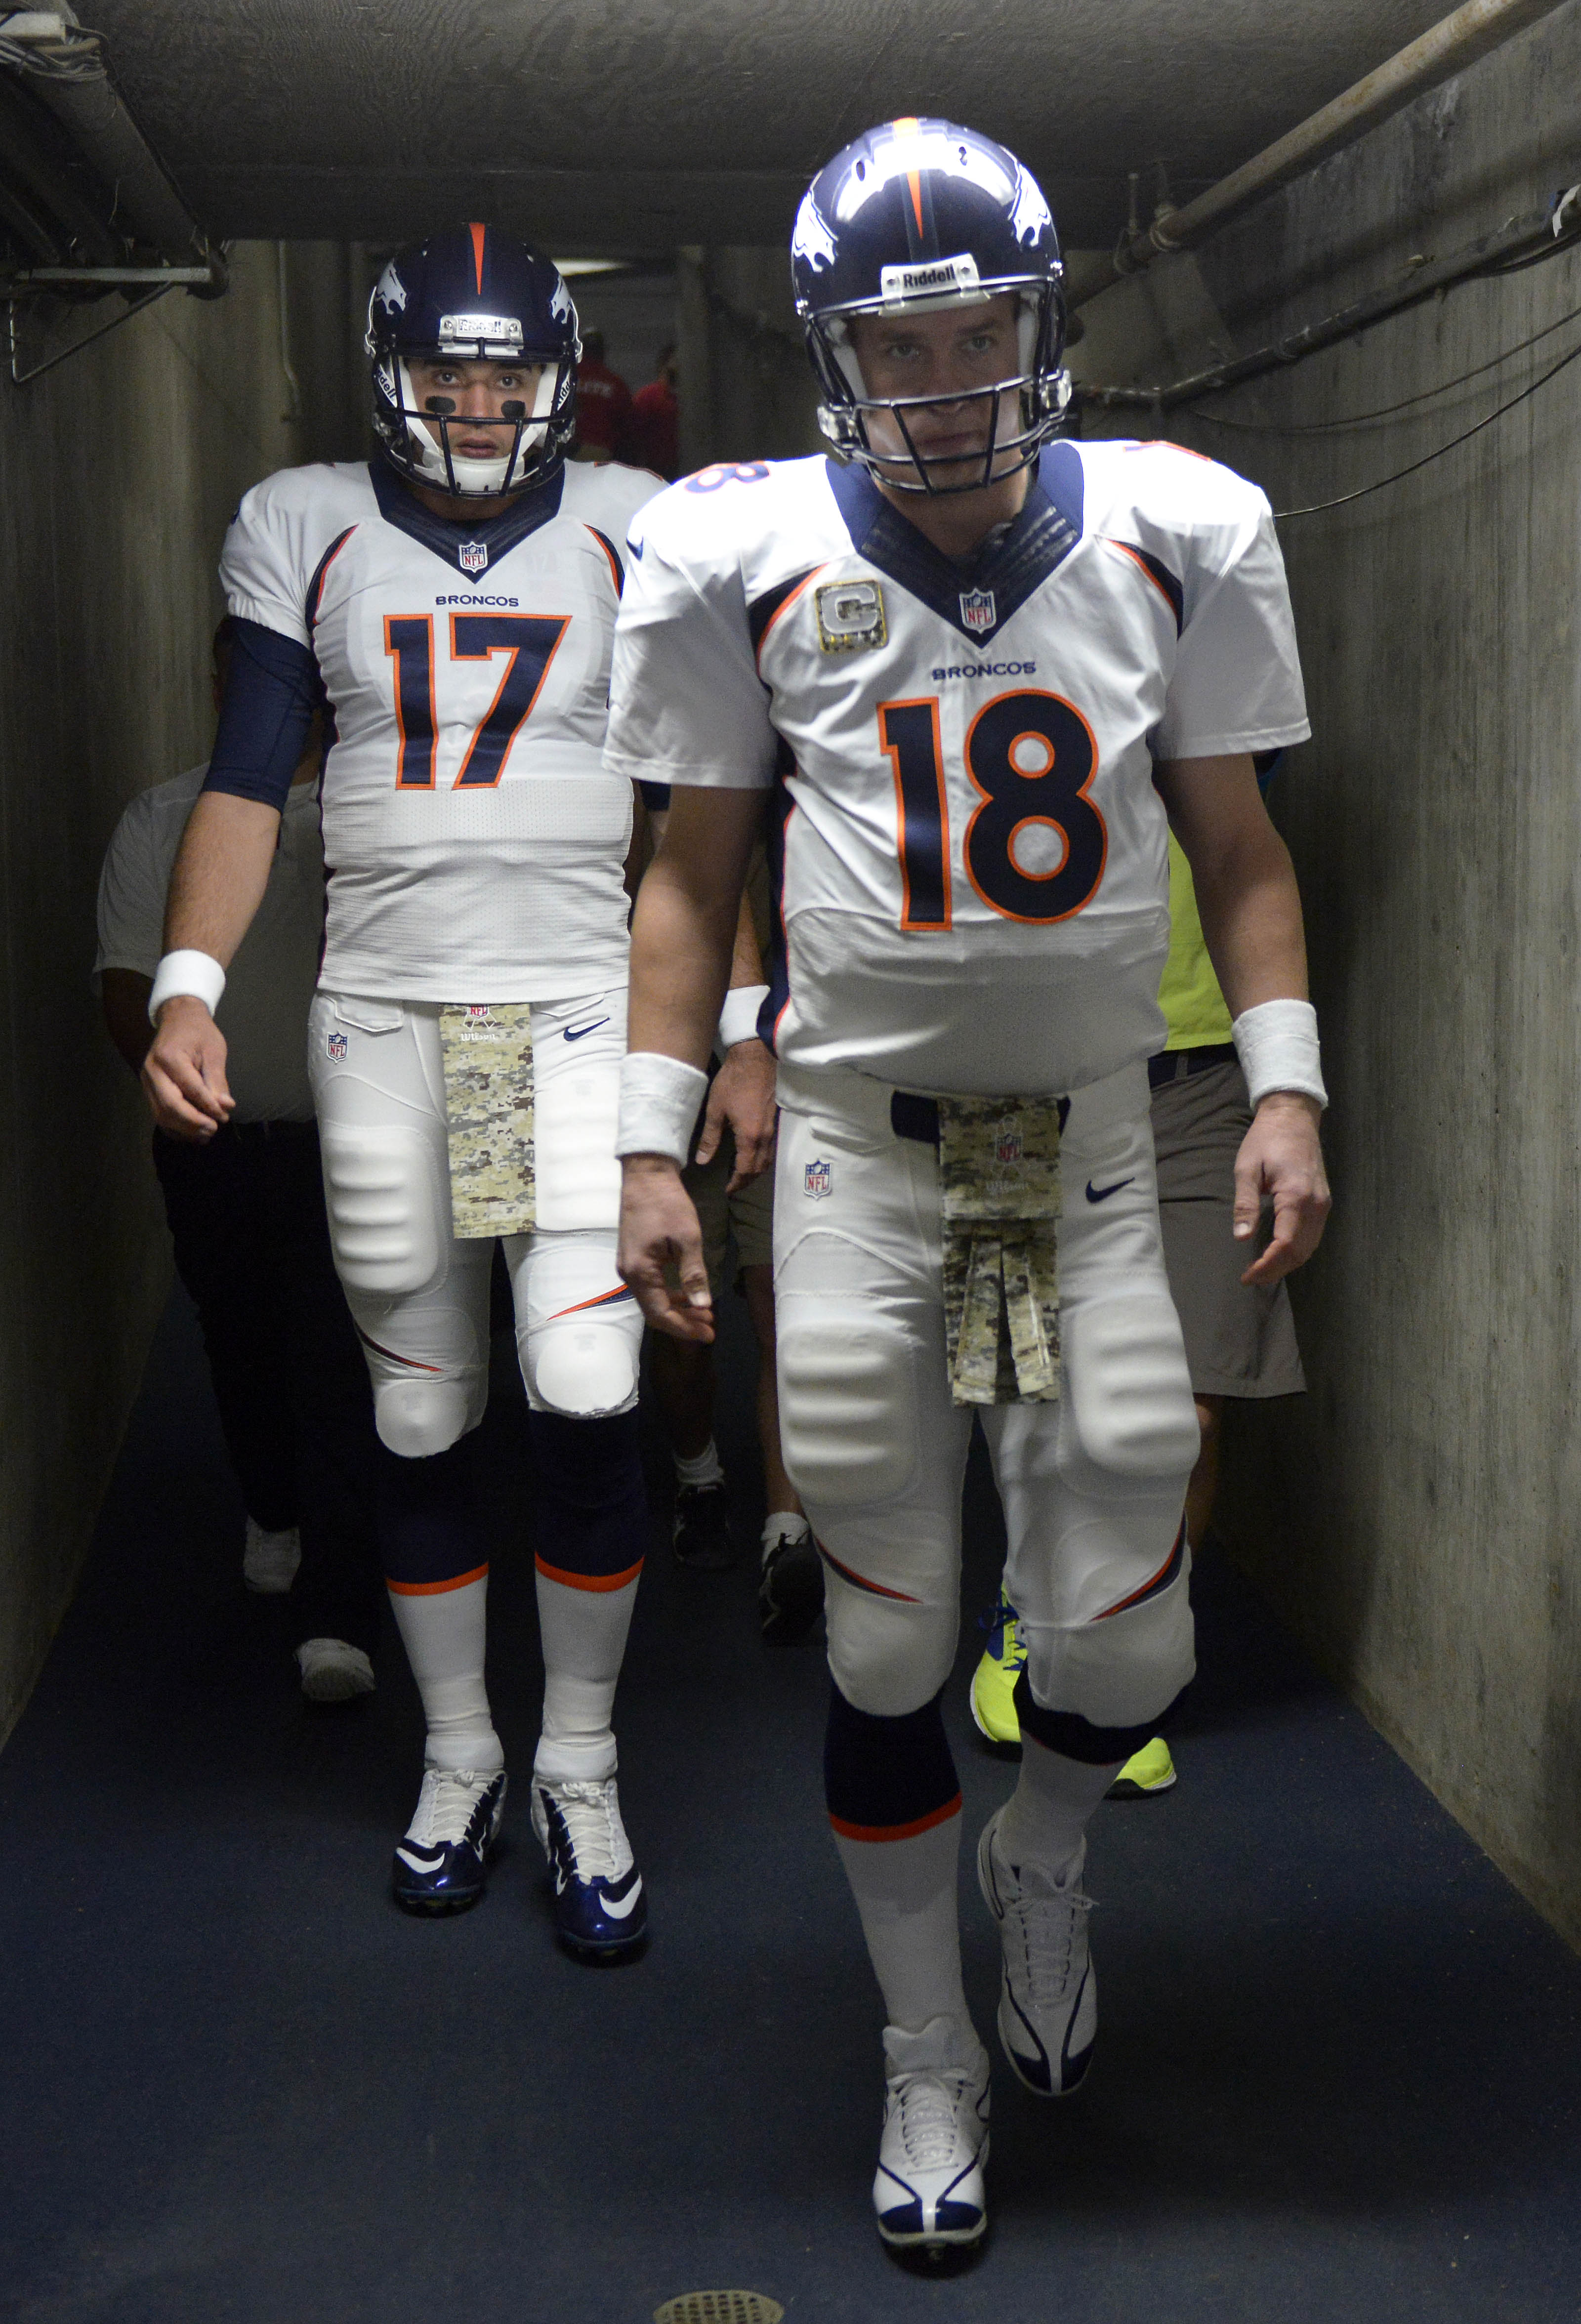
418	1295
1093	1484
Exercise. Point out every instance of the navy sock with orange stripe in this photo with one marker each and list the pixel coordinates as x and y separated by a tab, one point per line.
435	1564
894	1804
591	1531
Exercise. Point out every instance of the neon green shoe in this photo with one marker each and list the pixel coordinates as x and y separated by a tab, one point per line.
1146	1771
993	1680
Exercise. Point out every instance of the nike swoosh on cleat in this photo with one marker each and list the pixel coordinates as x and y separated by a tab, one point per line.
1102	1193
417	1862
579	1032
618	1910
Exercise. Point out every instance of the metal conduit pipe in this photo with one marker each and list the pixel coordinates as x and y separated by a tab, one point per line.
1469	33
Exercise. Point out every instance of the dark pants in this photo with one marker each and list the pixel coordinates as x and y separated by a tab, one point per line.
247	1213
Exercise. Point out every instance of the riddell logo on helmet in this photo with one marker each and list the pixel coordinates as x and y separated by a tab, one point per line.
943	277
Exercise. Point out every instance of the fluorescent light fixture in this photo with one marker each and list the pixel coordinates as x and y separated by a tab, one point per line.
569	266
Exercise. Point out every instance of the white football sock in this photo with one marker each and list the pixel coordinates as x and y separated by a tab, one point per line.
905	1891
1048	1809
584	1635
702	1469
443	1632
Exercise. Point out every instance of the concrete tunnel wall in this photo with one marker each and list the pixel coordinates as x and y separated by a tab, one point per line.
1417	1517
118	472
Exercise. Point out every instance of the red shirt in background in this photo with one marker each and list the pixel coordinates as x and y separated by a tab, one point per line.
603	405
653	436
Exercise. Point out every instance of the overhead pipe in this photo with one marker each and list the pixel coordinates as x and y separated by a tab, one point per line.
1470	31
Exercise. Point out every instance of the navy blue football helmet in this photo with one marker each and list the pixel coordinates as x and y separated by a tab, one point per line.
478	296
910	218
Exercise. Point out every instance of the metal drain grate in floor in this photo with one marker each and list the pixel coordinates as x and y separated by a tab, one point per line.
720	2307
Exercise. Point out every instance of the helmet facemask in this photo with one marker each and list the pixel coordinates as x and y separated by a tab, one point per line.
416	439
1041	387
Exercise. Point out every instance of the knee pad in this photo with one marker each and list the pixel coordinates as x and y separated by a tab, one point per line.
1123	1670
847	1410
584	1372
1133	1415
887	1657
389	1208
419	1417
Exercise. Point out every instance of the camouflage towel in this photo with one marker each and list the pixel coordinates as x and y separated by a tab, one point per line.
999	1167
488	1112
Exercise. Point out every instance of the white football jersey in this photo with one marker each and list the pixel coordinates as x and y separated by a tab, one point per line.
974	877
473	839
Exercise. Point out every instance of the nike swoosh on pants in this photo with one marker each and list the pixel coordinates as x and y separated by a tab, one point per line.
576	1032
1102	1193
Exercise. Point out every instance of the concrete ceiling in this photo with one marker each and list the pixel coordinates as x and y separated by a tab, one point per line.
630	125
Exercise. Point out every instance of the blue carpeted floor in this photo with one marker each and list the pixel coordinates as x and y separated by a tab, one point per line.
1337	2079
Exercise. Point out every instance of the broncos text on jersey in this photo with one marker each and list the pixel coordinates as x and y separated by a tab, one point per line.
474	841
973	863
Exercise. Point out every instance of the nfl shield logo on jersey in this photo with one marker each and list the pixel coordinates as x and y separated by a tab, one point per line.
473	556
976	610
818	1180
336	1044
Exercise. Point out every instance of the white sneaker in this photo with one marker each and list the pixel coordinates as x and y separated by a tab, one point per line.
270	1560
929	2186
600	1911
333	1669
1049	1993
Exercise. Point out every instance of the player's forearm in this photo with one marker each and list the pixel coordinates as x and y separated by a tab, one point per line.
220	873
682	948
1251	912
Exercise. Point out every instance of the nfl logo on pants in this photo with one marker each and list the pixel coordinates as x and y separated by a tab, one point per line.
818	1179
336	1044
976	610
472	556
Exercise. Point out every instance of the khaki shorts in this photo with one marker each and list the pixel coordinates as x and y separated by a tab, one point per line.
1238	1341
747	1215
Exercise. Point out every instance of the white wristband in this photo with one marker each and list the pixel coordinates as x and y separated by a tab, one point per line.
1277	1044
197	973
738	1018
659	1102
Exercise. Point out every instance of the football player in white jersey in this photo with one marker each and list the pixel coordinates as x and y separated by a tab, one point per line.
984	672
456	600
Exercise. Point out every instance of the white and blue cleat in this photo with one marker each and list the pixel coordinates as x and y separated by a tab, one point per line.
600	1907
441	1865
927	2191
1048	1992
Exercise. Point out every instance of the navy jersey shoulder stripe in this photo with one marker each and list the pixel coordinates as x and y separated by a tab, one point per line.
1171	590
760	611
315	586
616	569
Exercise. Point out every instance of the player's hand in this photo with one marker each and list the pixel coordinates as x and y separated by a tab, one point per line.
741	1094
1282	1160
183	1074
660	1251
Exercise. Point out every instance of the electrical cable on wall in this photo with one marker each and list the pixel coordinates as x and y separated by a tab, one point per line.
50	43
1316	508
1387	410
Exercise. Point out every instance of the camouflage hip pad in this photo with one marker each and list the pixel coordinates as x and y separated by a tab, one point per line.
488	1115
999	1174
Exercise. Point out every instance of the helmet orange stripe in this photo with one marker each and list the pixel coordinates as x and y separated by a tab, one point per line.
478	233
908	125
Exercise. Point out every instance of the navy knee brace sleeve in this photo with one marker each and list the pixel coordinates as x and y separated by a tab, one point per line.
887	1779
592	1512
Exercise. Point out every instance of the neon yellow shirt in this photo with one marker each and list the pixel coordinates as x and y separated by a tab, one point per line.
1188	992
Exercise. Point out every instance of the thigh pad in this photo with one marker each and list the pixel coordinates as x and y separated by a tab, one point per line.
847	1401
1132	1408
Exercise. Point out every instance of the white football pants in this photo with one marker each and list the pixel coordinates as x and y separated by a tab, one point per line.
418	1295
1092	1485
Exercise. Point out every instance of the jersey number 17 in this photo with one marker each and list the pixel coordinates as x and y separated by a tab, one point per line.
530	640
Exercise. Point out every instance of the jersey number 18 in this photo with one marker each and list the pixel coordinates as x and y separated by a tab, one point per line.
1031	756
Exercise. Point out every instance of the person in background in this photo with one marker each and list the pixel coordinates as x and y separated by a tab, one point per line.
653	432
603	403
731	1181
1240	1338
251	1243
